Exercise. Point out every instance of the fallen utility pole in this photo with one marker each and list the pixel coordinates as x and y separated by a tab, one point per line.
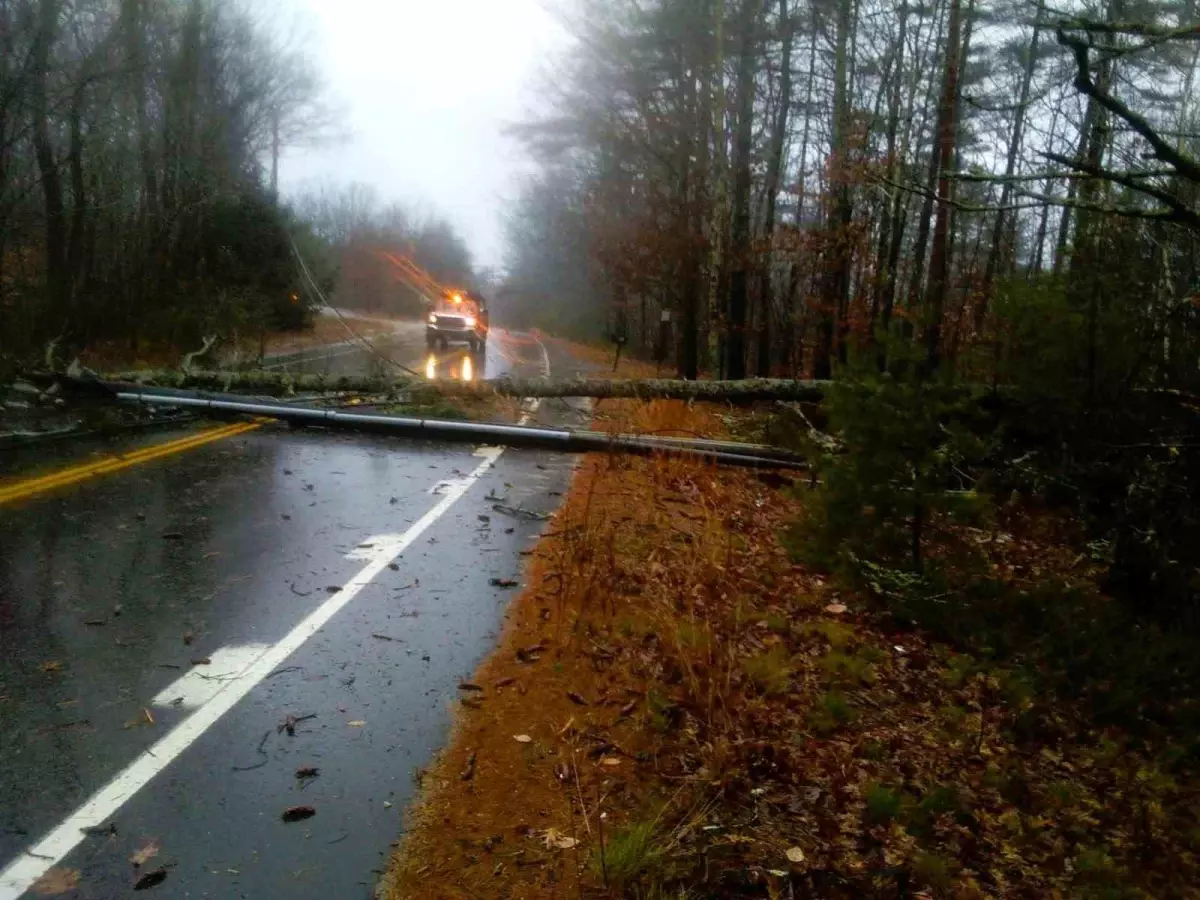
276	383
561	439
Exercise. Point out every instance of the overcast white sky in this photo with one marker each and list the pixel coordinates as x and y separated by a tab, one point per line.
428	86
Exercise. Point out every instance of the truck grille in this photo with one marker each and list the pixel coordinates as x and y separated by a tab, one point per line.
451	322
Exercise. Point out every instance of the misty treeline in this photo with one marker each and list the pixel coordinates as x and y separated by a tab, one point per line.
139	148
357	233
1006	192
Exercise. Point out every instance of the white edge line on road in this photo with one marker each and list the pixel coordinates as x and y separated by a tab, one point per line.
31	865
201	684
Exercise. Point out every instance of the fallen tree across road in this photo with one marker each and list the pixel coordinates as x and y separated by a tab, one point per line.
275	383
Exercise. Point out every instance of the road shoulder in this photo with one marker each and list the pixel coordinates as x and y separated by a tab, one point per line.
677	708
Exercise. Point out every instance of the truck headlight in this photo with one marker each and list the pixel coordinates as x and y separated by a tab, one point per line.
470	321
433	318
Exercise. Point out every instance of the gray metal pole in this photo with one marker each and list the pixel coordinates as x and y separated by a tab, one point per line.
563	440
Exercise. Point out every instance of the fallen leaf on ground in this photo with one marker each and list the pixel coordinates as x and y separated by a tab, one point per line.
836	608
53	665
308	772
173	536
150	879
468	686
144	855
56	881
576	699
556	840
795	855
503	582
298	813
610	761
522	738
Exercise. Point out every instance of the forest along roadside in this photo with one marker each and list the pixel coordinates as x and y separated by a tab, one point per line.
677	704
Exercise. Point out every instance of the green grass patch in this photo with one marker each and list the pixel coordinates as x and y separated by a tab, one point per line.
884	804
831	712
630	856
837	634
848	670
770	672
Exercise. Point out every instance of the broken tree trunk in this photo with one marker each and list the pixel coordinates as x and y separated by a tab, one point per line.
277	383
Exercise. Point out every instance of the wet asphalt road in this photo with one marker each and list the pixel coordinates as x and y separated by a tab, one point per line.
111	592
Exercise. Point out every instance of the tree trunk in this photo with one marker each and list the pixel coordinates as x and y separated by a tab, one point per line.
939	258
717	221
885	278
735	352
774	171
794	337
276	383
925	217
837	276
1039	247
58	285
1001	244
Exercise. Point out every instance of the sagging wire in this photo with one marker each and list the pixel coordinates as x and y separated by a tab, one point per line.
370	348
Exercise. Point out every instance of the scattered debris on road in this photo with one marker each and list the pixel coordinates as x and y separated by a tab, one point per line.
150	879
147	852
261	752
517	512
298	813
56	881
503	582
307	772
289	724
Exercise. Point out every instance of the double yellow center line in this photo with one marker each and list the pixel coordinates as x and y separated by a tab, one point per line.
23	490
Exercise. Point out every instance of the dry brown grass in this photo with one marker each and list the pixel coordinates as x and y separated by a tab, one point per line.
745	734
630	528
327	330
600	358
114	356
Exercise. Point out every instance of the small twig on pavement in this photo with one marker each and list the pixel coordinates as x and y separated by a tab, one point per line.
259	750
